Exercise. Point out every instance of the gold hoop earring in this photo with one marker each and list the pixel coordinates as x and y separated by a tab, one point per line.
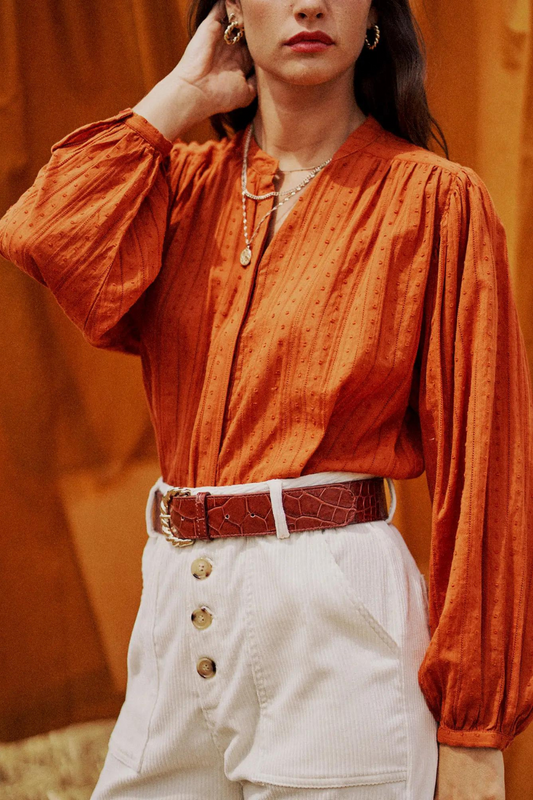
377	34
230	29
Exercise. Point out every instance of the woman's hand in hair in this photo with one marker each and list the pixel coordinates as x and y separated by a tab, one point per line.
209	79
217	70
470	773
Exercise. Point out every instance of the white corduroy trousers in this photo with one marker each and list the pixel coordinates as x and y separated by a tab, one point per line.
316	637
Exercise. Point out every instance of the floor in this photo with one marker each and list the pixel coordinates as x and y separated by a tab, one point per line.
60	765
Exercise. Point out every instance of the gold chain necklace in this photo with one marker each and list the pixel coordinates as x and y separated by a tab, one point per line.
246	254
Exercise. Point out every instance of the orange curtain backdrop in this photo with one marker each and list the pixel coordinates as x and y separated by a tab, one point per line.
78	454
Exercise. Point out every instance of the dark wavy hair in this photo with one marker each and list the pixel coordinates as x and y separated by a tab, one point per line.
389	82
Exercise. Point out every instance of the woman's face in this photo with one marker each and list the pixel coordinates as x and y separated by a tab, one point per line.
268	24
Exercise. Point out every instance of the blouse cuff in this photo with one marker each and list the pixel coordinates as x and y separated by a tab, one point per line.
149	132
473	738
139	124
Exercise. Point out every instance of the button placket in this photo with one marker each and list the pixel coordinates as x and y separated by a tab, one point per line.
220	366
202	616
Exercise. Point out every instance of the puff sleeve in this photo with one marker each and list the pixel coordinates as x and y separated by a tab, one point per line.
476	415
92	226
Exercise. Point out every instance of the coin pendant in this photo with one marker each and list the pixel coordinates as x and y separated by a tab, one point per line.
246	256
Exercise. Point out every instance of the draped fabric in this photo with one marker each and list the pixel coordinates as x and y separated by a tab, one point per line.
78	451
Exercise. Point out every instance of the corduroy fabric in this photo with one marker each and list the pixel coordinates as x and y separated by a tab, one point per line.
376	333
316	638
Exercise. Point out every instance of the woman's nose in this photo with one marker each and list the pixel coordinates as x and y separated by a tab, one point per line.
309	8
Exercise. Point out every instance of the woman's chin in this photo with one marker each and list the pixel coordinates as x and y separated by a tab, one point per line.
306	77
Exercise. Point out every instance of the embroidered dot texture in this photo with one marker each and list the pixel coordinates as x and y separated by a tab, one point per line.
376	332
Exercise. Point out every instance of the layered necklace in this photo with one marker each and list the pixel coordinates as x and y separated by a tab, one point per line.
246	254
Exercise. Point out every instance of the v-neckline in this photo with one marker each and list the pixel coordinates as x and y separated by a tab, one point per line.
263	164
268	249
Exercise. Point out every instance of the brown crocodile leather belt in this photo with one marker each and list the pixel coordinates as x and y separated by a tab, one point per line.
214	516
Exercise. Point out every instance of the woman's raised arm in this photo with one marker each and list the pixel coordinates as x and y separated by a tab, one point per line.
92	226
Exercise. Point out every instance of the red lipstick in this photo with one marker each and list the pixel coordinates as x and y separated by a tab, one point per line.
309	41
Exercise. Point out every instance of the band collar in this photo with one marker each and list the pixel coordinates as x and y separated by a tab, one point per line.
265	164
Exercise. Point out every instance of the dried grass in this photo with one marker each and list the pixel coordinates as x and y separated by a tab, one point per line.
60	765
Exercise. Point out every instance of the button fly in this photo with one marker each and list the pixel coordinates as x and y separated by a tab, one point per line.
201	568
206	667
201	618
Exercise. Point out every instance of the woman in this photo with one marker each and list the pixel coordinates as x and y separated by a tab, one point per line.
292	359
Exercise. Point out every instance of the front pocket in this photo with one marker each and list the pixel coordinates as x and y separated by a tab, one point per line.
329	677
366	568
130	734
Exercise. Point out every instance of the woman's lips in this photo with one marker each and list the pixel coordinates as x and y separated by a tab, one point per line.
309	46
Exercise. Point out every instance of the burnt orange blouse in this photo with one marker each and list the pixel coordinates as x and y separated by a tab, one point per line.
376	333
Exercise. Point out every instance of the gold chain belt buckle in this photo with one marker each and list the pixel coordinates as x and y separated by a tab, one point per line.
166	524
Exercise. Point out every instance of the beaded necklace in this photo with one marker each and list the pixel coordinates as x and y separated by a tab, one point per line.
246	254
